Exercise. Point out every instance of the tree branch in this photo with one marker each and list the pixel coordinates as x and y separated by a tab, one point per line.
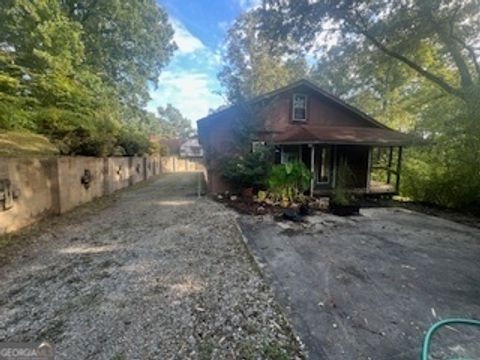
420	70
446	38
471	52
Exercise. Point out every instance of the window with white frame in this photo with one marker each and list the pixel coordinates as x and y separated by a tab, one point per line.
299	111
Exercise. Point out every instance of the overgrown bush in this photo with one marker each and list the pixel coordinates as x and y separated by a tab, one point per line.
247	171
446	177
288	182
133	142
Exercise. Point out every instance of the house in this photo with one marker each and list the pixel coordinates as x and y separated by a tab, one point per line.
304	122
191	149
184	148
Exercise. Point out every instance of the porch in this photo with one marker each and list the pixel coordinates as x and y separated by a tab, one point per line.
373	169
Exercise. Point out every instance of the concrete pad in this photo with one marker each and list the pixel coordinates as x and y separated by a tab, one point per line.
367	287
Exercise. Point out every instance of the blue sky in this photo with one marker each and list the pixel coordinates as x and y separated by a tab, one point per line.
189	82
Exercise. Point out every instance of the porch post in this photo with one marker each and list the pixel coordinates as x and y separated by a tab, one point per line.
369	168
399	168
390	155
312	168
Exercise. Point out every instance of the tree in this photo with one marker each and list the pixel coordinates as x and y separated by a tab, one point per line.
398	29
252	66
174	124
53	82
127	42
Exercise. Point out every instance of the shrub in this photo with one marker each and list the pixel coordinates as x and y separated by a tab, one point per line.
133	142
249	170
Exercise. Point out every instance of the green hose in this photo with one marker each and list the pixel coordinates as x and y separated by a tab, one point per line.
428	337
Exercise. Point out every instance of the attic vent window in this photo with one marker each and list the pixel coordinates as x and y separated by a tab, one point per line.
299	107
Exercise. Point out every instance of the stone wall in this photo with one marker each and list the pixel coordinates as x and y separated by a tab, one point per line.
31	189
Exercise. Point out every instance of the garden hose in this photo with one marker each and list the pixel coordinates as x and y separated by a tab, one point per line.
428	336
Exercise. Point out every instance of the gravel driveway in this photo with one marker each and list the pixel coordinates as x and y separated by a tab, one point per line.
150	273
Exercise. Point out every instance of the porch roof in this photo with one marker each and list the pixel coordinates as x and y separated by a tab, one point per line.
299	134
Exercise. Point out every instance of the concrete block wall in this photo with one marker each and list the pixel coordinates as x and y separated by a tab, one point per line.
34	183
136	170
117	174
46	186
72	191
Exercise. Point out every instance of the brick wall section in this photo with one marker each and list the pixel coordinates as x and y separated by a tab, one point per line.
46	186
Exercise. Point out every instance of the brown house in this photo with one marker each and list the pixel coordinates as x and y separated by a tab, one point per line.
304	122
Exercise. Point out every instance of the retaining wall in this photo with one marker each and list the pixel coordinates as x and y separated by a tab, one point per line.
177	164
31	189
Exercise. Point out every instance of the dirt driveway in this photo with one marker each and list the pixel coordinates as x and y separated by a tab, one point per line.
367	287
153	273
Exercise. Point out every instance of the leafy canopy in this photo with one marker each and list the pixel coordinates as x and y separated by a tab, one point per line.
78	71
252	66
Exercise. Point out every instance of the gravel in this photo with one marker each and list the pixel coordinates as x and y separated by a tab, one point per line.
154	273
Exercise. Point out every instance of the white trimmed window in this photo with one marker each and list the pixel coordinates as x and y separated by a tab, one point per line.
299	108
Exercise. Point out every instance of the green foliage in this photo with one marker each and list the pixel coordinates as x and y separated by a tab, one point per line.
78	71
251	64
289	181
245	171
127	42
174	124
133	142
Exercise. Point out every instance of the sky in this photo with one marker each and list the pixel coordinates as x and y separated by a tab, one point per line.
190	81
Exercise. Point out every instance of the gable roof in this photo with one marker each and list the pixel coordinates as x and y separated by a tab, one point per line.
312	86
378	134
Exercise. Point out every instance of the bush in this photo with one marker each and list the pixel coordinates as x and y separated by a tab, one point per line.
250	170
446	178
133	142
288	182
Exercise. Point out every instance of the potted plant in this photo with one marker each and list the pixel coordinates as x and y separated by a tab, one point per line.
343	203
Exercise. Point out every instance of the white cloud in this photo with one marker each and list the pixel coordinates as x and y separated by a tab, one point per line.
189	81
187	43
188	91
249	4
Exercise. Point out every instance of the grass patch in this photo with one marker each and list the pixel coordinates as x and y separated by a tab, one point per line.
22	144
